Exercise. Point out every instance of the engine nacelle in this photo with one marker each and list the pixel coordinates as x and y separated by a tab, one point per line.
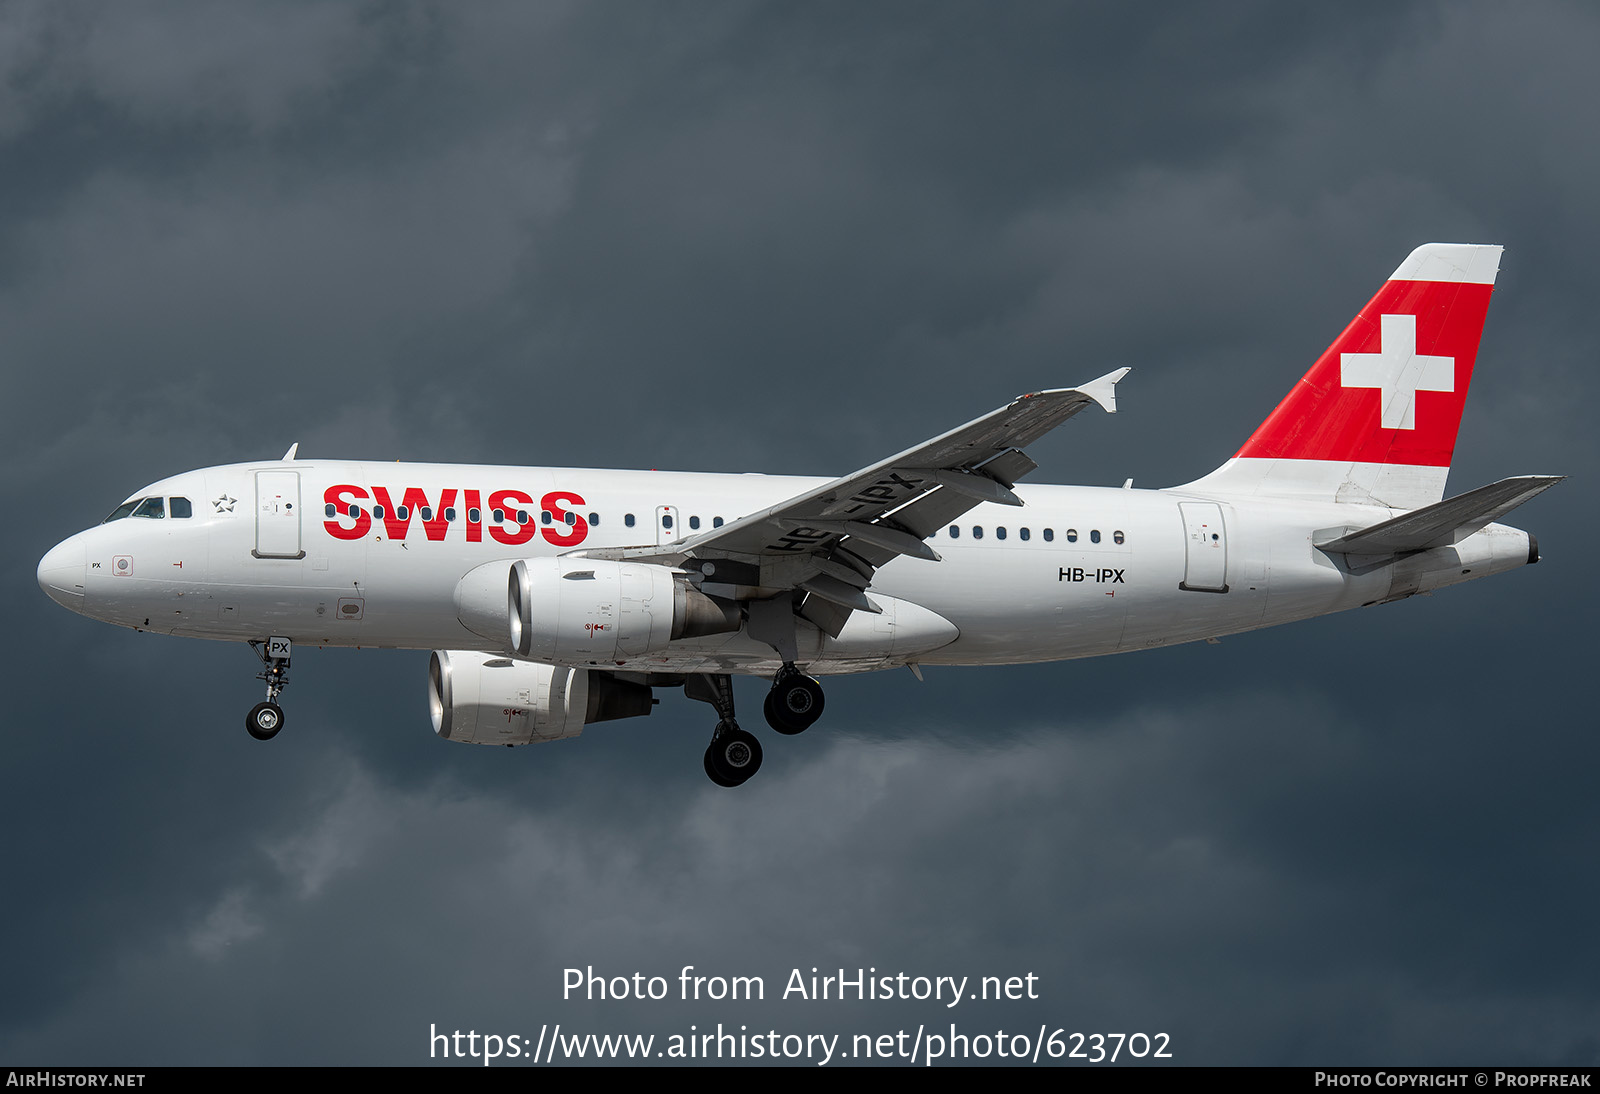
582	611
482	699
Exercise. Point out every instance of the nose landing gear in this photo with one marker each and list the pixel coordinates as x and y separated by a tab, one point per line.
266	719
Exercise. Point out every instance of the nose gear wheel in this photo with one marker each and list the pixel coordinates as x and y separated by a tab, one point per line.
264	721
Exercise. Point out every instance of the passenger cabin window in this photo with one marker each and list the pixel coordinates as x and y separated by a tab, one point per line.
571	519
450	512
694	523
151	507
179	508
1049	535
522	516
977	531
955	532
544	517
402	512
716	522
377	512
426	512
1117	536
1000	532
353	512
1094	536
475	516
1023	534
627	520
594	520
499	515
330	510
1072	535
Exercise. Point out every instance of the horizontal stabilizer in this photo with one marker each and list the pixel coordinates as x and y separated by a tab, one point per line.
1444	522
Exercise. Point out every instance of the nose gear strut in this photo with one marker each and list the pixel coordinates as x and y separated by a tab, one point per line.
266	719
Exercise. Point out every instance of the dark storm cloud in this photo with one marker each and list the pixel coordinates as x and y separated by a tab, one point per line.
1160	878
782	238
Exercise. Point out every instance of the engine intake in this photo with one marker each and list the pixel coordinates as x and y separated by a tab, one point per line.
575	611
482	699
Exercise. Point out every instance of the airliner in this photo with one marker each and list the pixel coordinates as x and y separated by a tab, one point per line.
555	598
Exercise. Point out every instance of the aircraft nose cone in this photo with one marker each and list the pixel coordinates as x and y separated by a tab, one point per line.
61	573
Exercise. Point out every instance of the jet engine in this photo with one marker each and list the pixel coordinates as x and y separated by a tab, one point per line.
483	699
583	611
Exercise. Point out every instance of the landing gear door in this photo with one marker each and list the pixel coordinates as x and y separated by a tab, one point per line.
278	515
1205	548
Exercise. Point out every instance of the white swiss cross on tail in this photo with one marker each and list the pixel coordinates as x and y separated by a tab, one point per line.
1350	430
1398	371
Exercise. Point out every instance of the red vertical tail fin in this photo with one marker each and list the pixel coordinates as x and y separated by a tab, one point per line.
1375	419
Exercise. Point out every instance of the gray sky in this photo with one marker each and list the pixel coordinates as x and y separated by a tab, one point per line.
791	238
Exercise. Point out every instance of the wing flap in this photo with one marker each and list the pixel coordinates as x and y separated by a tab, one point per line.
826	615
1009	466
846	596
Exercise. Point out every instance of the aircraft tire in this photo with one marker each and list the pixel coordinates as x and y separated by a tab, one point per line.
794	704
264	721
712	772
733	757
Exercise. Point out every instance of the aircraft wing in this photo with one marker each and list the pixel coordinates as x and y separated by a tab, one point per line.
829	541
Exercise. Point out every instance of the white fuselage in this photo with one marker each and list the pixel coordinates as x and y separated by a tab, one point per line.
1075	572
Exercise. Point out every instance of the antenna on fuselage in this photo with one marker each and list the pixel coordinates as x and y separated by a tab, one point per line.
289	455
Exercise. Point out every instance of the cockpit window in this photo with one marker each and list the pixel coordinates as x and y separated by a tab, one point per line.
179	508
151	507
122	510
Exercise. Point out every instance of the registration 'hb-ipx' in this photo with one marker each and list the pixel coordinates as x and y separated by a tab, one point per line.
555	598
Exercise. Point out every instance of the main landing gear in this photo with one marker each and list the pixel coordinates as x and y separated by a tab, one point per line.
733	754
792	706
795	702
265	719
